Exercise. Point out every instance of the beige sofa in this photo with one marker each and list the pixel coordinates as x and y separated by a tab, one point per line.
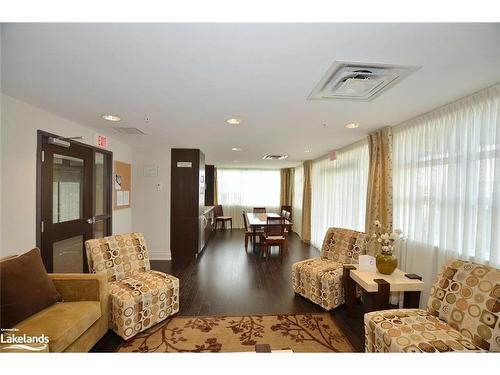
77	323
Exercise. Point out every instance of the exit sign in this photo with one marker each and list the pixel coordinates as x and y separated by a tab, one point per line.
101	141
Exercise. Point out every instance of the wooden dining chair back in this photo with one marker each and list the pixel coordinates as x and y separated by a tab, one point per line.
288	219
286	207
218	211
259	210
245	222
275	226
248	231
274	235
220	218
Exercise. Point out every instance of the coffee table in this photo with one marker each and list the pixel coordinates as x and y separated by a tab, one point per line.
377	287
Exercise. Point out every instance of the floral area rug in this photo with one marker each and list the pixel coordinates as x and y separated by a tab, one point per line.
302	333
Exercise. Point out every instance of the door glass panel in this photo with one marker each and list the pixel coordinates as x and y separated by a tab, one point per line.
100	189
68	255
67	184
99	229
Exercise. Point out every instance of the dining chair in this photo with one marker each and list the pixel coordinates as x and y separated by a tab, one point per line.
259	210
249	232
220	218
287	208
274	235
288	217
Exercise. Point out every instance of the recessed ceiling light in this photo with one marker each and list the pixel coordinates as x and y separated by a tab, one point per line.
275	157
111	118
236	149
233	121
307	151
352	125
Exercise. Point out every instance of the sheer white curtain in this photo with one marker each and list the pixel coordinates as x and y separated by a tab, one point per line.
243	189
298	186
446	176
339	191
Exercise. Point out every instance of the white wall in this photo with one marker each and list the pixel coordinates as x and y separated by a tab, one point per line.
151	207
19	124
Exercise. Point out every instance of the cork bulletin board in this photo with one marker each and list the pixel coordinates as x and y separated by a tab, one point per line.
122	185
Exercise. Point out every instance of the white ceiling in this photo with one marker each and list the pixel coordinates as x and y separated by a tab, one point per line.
189	78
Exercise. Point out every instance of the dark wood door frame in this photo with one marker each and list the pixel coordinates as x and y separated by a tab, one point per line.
42	136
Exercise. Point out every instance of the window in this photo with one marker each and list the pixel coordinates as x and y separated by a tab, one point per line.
243	189
339	191
446	176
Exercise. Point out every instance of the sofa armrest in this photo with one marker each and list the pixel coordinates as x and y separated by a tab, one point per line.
75	287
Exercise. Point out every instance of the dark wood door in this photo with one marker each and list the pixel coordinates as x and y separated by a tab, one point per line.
67	199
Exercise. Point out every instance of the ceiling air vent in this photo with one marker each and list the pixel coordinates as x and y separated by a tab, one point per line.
275	157
359	81
129	131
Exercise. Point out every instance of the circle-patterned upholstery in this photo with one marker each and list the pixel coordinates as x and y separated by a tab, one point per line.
139	297
462	315
344	245
119	256
320	279
466	295
412	331
141	301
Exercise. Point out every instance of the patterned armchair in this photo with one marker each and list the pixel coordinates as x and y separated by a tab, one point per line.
139	297
320	279
462	315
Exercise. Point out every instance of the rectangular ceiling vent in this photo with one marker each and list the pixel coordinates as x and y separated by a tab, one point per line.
358	81
129	131
275	157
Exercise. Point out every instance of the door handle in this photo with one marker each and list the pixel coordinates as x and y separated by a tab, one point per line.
91	220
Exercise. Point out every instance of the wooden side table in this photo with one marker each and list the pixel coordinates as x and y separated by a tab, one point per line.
377	287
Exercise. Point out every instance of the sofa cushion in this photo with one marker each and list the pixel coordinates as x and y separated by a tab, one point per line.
118	257
142	300
62	323
25	288
467	296
412	331
320	280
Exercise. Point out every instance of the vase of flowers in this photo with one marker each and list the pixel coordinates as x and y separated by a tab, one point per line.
385	260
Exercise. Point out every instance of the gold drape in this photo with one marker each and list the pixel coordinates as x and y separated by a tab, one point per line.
286	193
306	203
379	194
216	190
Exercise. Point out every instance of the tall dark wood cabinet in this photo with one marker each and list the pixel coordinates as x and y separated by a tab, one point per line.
187	204
209	182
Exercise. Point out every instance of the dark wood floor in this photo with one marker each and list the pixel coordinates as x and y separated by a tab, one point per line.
226	280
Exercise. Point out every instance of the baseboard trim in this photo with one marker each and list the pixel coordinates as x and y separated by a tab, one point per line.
160	255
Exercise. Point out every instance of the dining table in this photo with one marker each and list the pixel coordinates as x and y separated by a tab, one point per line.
259	220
